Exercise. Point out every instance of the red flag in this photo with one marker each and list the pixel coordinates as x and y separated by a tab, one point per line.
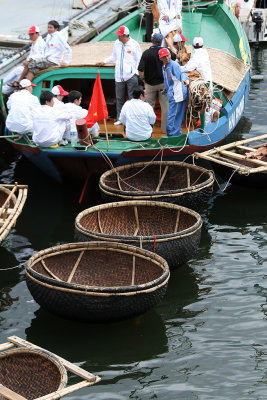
97	110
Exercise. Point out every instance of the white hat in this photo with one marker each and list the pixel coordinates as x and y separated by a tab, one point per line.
26	83
198	41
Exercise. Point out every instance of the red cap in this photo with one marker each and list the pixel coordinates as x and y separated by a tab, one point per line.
179	38
163	52
34	29
123	30
59	91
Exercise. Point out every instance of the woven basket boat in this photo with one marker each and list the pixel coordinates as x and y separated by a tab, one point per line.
171	181
11	206
170	230
31	373
97	280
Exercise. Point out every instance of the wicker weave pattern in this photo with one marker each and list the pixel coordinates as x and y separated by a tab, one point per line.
174	231
31	373
111	280
184	184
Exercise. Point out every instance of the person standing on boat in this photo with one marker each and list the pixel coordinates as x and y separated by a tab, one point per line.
49	123
138	116
21	105
57	52
178	46
150	71
170	16
199	60
176	83
127	54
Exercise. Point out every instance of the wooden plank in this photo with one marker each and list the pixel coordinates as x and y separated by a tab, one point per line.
71	367
9	394
75	266
49	272
162	178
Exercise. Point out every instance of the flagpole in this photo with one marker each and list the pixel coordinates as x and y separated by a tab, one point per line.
106	132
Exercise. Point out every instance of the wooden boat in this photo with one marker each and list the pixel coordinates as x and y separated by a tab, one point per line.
230	62
173	232
235	163
170	181
11	206
29	372
97	280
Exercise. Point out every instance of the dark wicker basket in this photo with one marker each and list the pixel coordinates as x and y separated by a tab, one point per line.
170	230
31	373
97	280
170	181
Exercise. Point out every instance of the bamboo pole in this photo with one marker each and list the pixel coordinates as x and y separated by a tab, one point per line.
242	157
10	394
106	133
6	346
133	271
188	177
99	223
8	198
162	178
48	271
75	266
137	221
177	221
67	390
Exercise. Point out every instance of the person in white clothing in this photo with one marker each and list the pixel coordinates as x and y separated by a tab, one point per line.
21	105
127	54
199	60
59	93
36	50
138	116
56	52
170	16
73	107
49	123
211	115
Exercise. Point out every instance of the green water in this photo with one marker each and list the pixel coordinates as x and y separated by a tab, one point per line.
205	340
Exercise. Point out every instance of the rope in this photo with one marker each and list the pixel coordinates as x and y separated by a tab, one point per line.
9	268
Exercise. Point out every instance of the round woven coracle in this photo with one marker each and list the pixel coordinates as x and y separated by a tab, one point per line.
171	181
31	373
97	280
170	230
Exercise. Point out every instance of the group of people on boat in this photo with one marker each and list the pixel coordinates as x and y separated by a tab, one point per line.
162	69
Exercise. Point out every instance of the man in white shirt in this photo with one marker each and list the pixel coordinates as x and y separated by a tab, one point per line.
56	52
170	16
138	116
73	107
49	123
18	73
199	60
21	105
127	53
59	93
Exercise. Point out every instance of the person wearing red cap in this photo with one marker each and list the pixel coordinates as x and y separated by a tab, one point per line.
37	50
21	105
178	46
176	83
59	93
127	53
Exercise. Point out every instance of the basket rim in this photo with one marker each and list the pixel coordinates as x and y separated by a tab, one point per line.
160	238
176	192
99	245
45	354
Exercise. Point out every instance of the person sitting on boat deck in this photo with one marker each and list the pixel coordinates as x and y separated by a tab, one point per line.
74	108
178	46
127	53
150	71
138	116
199	60
170	16
211	115
56	52
21	105
176	83
9	79
36	51
49	123
59	93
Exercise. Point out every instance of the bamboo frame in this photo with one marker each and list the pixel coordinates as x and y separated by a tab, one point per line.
88	378
75	266
162	178
137	221
48	271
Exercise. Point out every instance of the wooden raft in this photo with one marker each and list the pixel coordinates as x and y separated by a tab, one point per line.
8	214
233	155
89	379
